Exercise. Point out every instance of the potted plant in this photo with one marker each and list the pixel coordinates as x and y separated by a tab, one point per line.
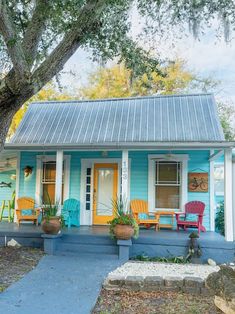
123	226
51	221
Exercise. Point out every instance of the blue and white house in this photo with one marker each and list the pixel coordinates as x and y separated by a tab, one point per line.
142	148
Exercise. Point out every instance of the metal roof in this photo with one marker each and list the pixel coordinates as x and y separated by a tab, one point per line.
174	118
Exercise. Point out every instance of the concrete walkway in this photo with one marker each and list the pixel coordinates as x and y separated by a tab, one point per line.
59	284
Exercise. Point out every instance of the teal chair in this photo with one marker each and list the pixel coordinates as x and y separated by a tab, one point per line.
71	212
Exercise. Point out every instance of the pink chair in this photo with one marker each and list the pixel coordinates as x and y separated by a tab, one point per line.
195	208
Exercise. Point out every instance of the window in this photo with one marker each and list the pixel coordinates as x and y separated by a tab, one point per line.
48	182
219	179
167	184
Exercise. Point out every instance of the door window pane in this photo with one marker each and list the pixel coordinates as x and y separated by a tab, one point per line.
105	192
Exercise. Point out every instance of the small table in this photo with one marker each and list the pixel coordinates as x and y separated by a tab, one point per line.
167	213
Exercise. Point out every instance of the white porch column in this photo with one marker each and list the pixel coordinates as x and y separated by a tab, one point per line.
125	176
212	194
59	174
233	191
228	197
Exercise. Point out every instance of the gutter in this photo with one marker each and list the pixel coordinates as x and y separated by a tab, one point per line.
123	145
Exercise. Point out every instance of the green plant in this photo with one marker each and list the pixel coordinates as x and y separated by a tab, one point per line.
219	220
122	217
50	210
171	259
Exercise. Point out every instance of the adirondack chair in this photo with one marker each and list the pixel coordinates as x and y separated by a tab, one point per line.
195	208
26	210
71	212
142	216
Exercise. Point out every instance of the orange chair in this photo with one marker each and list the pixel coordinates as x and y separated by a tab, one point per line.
26	210
142	216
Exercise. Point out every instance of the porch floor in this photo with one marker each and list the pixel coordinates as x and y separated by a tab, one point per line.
149	242
145	235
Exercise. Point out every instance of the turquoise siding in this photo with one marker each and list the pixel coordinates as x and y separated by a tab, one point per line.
198	161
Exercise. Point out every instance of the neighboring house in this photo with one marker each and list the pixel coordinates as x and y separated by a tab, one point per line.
161	149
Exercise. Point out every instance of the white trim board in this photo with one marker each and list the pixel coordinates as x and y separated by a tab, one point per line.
151	177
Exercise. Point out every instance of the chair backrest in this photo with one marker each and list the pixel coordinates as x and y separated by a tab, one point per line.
195	207
71	204
139	206
25	203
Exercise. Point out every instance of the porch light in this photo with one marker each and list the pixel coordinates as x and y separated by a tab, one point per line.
27	171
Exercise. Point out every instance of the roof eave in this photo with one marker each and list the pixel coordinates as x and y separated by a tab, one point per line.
124	145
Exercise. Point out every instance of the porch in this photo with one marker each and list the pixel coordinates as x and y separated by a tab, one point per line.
95	239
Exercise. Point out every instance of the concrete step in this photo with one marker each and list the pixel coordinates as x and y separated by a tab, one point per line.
86	248
88	239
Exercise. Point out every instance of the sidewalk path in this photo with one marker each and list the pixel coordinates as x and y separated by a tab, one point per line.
59	285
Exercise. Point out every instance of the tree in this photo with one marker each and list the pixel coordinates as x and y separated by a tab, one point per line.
49	92
118	81
37	38
227	116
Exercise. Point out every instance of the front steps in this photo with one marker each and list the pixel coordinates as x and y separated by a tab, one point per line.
78	244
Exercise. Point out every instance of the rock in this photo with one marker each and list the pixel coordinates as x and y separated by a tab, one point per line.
224	306
13	243
222	283
211	262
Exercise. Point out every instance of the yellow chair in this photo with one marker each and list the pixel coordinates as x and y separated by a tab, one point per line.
142	216
26	210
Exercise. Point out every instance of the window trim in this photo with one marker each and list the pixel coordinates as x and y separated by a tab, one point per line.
39	173
183	158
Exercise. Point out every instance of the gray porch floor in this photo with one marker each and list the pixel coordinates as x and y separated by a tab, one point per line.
162	237
149	235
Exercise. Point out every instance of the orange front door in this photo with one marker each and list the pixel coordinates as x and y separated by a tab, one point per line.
105	190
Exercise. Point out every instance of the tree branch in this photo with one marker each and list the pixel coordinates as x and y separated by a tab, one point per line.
86	23
13	44
35	29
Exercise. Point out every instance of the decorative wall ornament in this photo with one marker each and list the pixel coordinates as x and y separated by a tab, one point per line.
27	171
198	182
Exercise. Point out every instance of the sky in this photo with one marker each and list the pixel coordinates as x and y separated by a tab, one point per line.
207	57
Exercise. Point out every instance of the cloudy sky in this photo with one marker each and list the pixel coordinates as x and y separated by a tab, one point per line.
208	57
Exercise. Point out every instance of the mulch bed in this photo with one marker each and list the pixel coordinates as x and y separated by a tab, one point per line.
15	263
162	302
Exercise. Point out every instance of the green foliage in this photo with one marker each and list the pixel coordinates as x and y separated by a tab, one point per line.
122	217
227	114
172	259
219	220
119	81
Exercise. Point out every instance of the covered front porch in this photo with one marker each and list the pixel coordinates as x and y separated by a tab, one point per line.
95	239
134	173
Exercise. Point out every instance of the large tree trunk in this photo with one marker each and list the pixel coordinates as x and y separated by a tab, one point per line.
6	116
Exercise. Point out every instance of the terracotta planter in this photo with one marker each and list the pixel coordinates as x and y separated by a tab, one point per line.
51	226
123	232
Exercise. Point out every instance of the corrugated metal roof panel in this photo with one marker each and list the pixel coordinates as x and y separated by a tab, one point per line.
174	118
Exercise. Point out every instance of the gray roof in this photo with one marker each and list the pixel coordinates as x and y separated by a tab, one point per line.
174	118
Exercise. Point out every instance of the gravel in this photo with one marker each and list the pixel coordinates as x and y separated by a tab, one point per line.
164	270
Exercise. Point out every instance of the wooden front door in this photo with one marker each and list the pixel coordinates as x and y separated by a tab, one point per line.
105	190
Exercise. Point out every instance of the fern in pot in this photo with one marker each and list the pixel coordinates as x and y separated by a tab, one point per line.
123	226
